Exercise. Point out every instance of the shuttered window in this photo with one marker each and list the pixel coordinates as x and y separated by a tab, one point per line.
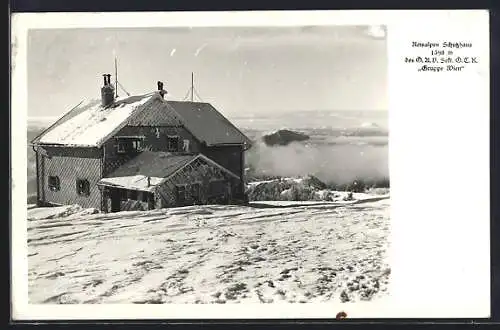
54	183
126	144
83	187
185	146
181	194
195	191
121	147
137	145
132	194
173	143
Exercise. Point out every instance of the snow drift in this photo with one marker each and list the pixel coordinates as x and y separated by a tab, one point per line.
209	254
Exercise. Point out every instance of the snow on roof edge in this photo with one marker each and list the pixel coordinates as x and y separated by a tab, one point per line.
70	132
131	182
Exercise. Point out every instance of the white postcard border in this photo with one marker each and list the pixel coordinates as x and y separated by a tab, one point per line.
439	229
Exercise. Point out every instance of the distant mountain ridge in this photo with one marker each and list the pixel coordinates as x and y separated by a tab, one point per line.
41	122
267	114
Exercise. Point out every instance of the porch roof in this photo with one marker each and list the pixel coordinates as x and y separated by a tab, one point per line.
156	166
133	182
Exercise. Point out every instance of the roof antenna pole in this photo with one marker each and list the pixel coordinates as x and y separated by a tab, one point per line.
116	79
192	85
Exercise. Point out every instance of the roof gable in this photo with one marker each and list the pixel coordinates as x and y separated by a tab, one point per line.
155	113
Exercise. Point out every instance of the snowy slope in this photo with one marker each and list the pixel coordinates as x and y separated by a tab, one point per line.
210	254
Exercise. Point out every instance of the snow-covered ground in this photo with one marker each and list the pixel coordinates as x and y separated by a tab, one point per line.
267	252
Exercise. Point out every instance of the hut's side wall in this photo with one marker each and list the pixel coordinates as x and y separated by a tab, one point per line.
230	157
70	164
156	136
40	162
155	140
200	172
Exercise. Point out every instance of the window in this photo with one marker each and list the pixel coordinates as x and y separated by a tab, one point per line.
123	195
132	194
82	187
195	191
121	147
181	194
185	147
172	143
137	145
125	144
54	183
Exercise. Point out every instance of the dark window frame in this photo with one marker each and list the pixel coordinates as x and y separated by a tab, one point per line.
130	144
178	193
83	187
186	145
171	146
133	195
196	190
138	145
56	185
144	196
123	148
123	194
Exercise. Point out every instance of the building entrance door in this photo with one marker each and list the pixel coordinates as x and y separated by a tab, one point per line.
115	200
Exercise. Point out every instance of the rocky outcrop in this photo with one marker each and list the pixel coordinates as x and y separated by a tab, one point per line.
308	188
284	137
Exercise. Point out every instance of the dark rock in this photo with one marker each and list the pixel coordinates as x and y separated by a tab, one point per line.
314	182
284	137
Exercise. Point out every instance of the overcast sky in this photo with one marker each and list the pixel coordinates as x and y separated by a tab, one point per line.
239	70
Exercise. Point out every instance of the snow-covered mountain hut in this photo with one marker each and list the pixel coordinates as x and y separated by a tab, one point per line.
140	152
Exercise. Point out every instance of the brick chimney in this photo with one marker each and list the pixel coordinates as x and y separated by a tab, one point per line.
161	90
107	91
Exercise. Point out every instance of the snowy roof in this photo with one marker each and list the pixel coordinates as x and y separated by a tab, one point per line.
90	124
158	166
134	182
207	124
153	163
